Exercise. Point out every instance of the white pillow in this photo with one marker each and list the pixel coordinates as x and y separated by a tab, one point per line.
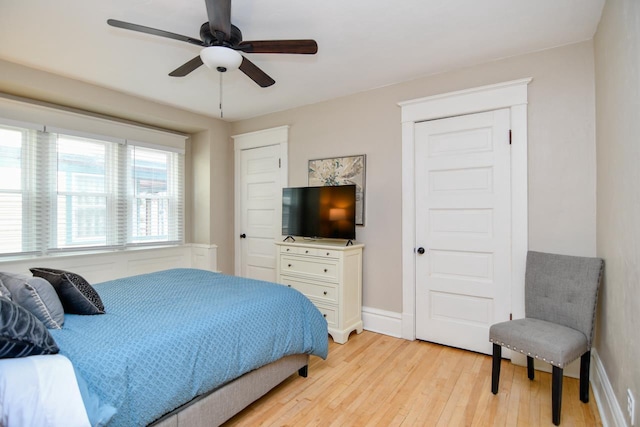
40	391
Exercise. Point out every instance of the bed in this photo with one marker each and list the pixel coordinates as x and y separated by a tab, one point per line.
186	347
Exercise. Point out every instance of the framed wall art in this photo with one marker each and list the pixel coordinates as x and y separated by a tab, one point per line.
349	170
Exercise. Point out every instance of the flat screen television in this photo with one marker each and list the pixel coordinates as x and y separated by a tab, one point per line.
322	212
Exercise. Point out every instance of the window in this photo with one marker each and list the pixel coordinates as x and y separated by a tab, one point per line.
82	192
154	198
11	190
61	191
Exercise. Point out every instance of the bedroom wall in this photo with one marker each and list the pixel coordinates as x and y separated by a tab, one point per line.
207	214
617	71
561	151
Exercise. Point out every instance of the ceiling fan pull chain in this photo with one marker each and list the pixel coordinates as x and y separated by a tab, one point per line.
220	105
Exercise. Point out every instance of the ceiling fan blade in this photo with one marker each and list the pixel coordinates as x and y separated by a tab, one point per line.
305	47
153	31
219	14
255	73
187	67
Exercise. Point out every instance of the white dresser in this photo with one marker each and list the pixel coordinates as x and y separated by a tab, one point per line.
330	275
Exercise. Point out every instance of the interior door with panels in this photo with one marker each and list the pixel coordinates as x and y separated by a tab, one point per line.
260	172
260	200
463	228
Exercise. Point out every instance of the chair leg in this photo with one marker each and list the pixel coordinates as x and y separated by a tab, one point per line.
530	373
556	394
495	371
585	363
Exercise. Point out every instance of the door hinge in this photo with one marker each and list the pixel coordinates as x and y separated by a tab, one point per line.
509	136
510	316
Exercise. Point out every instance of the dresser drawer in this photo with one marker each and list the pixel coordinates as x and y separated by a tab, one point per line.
324	292
288	250
329	313
322	253
318	252
327	253
307	251
311	267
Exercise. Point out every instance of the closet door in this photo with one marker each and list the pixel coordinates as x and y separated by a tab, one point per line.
260	175
463	228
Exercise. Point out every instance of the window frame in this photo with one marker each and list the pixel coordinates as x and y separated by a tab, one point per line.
40	193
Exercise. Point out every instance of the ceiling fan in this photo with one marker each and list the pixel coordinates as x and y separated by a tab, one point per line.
222	42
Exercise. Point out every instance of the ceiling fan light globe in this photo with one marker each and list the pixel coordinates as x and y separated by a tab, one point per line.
220	57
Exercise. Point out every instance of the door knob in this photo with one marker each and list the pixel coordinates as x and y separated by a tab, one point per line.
420	250
243	236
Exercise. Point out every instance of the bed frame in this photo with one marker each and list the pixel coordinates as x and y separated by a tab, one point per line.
219	405
213	408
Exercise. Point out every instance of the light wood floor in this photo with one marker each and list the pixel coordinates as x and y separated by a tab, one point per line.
377	380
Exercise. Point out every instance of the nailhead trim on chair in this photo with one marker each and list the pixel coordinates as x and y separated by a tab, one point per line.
528	354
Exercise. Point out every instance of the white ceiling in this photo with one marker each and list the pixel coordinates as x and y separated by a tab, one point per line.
362	44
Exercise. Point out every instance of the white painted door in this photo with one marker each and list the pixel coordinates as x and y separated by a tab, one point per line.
463	223
260	211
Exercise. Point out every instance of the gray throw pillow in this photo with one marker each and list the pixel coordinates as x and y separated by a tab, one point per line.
21	333
36	295
76	294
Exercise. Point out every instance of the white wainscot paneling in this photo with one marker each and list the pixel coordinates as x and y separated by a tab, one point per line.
102	266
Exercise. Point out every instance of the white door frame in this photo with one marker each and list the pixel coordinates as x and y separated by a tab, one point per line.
512	95
262	138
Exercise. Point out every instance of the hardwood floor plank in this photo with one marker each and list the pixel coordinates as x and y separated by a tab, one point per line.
377	380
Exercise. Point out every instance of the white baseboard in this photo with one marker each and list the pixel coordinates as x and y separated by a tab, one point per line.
610	411
382	321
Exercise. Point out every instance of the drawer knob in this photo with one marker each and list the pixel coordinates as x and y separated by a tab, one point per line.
306	252
328	254
289	285
325	292
324	315
325	270
288	249
289	265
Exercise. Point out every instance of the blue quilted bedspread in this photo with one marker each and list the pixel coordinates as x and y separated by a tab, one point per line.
170	336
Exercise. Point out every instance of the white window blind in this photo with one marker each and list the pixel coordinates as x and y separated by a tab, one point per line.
75	191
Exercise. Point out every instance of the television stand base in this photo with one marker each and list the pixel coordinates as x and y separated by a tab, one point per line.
349	242
289	237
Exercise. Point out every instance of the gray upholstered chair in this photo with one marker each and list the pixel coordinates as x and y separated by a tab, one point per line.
560	305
